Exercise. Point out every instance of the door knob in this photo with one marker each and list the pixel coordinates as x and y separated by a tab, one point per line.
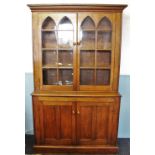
73	112
79	42
74	43
78	112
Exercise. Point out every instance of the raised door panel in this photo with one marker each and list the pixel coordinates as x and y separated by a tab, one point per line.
94	123
57	123
96	44
54	50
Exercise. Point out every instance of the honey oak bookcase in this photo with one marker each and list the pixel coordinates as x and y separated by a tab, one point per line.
76	55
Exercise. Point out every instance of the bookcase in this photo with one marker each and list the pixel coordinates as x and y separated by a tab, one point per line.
76	55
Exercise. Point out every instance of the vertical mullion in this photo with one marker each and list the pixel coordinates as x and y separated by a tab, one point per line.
77	54
57	57
95	55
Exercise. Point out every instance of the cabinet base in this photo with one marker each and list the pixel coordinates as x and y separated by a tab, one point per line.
75	149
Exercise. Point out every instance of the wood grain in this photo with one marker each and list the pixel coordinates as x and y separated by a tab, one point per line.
83	116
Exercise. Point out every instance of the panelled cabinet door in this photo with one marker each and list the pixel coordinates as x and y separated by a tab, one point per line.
94	123
96	34
57	123
56	37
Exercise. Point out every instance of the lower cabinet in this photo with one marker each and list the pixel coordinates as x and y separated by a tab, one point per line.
75	123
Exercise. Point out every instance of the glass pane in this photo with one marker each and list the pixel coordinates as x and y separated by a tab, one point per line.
65	39
65	24
49	40
65	77
50	77
87	34
104	34
65	58
103	76
65	33
87	76
88	23
105	24
103	58
48	23
103	40
87	58
88	40
49	58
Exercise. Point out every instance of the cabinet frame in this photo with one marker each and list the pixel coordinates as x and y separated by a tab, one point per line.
47	97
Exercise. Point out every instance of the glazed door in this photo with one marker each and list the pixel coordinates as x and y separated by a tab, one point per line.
94	123
56	122
57	35
96	34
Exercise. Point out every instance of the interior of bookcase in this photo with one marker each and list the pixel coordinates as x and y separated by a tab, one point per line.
57	52
95	52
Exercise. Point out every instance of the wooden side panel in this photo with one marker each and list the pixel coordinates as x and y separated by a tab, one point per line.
114	123
35	51
118	24
36	120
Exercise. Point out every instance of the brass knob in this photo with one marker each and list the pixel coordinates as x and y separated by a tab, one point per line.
73	112
79	42
74	43
78	112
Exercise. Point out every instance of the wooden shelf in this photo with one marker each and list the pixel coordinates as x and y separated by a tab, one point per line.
57	67
86	49
71	49
55	49
49	67
64	30
65	67
65	49
105	67
87	67
88	29
105	30
49	49
83	49
108	49
48	30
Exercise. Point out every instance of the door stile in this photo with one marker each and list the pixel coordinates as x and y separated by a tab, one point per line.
74	128
75	55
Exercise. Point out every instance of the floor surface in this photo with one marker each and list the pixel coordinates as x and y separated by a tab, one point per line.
124	146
